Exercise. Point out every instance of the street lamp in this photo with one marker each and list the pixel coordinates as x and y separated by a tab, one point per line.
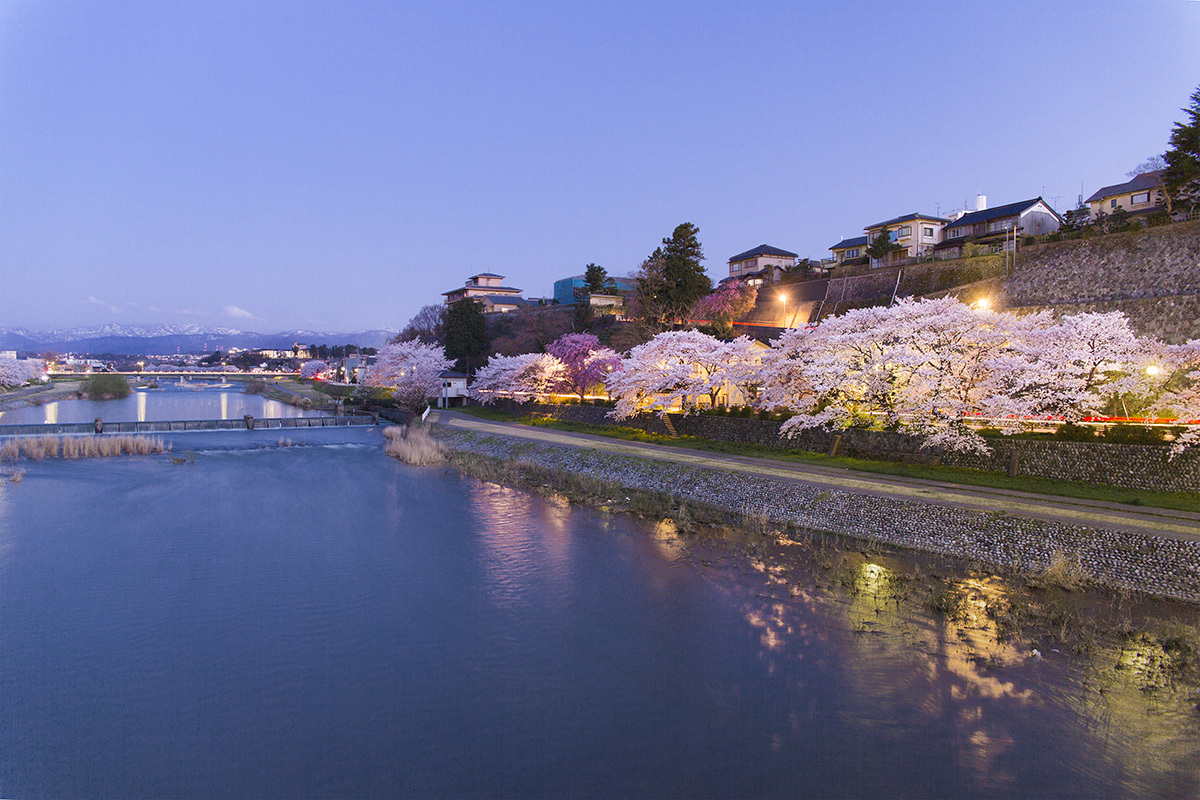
783	299
1152	370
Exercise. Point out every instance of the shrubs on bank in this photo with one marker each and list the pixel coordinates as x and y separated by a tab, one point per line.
107	386
413	445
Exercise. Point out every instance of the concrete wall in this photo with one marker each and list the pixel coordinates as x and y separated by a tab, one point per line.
1125	465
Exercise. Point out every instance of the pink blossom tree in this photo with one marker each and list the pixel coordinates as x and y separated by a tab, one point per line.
727	304
411	371
585	363
529	376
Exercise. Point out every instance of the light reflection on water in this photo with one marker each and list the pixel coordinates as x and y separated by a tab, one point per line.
324	621
171	403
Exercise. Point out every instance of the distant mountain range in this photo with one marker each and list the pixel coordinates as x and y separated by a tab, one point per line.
149	340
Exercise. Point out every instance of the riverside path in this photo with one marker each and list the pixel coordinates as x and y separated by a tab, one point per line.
1063	510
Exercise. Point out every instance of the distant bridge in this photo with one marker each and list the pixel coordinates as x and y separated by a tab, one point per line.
173	426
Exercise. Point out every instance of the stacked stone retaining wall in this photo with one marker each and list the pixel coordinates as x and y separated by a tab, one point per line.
1125	465
1133	561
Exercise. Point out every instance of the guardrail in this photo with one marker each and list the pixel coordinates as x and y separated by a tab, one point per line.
172	426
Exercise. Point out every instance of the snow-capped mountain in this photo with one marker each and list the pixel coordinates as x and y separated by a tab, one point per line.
166	339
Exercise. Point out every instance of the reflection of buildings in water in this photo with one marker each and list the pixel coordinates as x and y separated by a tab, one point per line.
141	406
224	405
51	413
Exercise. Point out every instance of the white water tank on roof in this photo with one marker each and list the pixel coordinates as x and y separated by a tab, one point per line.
981	202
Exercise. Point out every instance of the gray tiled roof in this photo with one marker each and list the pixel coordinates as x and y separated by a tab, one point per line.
1012	209
762	250
906	218
857	241
1140	183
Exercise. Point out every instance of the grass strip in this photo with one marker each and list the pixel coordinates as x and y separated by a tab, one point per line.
1178	501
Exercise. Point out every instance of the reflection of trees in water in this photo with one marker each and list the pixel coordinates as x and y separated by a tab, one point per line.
967	666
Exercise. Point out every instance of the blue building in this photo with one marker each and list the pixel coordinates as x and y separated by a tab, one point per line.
571	290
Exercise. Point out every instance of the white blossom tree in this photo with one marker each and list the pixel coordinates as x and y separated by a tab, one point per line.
1070	369
410	370
673	368
528	376
14	372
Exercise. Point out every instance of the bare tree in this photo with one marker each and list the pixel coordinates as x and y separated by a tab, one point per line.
428	325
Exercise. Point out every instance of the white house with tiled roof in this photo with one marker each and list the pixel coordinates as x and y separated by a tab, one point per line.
915	233
761	264
489	289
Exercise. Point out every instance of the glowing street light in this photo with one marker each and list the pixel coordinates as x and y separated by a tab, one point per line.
783	299
983	303
1152	370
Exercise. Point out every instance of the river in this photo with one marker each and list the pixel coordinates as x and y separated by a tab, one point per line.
323	621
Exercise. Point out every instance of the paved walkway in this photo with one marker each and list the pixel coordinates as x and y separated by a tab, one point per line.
1063	510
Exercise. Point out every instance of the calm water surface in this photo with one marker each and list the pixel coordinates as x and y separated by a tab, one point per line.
324	621
194	400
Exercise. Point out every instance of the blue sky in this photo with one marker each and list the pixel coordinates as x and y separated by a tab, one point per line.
336	166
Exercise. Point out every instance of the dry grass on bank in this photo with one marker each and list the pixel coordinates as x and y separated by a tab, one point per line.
414	445
37	448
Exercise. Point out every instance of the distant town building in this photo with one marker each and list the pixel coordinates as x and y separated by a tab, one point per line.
454	389
489	289
1138	196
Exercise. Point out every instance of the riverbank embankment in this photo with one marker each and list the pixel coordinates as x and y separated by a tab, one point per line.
1151	552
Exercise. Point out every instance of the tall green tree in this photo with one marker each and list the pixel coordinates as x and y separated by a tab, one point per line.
672	279
466	334
1182	177
596	280
882	244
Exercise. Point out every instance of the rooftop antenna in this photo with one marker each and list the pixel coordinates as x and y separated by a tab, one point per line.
938	208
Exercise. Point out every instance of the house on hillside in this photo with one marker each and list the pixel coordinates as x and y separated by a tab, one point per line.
763	264
997	227
1138	196
489	289
850	249
916	234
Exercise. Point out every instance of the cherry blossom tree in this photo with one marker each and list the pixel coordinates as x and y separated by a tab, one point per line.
921	364
728	303
14	372
1071	368
529	376
585	363
314	369
410	370
1180	397
674	368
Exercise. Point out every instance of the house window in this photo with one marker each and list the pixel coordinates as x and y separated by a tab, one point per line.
1112	203
928	231
1144	197
905	231
853	253
735	268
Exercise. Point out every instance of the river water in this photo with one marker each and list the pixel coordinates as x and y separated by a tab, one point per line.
238	619
173	401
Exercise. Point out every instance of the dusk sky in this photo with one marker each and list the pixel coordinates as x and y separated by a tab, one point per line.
336	166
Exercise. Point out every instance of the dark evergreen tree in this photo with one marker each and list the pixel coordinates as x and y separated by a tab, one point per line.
596	280
466	334
1182	177
882	244
672	279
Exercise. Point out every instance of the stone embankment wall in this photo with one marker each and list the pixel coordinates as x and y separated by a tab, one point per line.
1126	465
1137	562
1152	275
